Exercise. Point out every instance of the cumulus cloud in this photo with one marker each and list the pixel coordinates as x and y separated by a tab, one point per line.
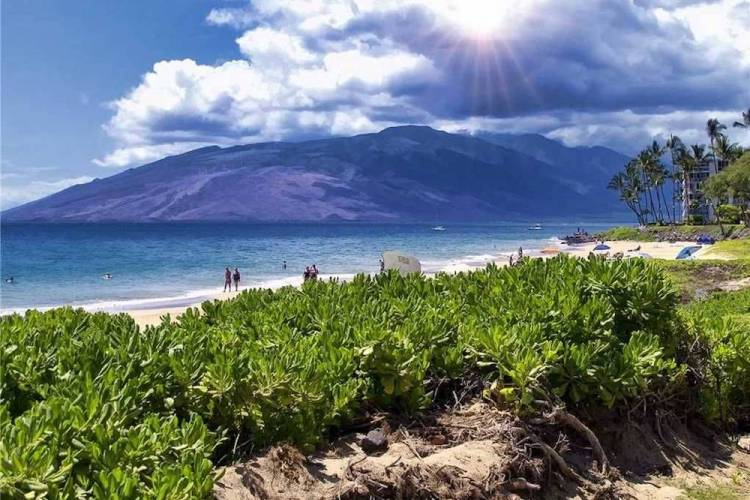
569	68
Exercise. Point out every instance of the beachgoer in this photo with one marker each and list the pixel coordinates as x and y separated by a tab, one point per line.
314	272
520	253
511	260
107	276
382	265
227	279
10	280
283	266
236	278
306	275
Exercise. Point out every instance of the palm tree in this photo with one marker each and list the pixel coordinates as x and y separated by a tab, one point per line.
725	150
643	162
745	123
620	183
676	147
633	179
713	129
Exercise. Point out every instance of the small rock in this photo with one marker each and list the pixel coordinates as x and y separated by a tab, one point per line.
374	441
438	440
744	443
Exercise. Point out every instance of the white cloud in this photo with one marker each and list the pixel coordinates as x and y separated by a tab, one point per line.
320	67
15	189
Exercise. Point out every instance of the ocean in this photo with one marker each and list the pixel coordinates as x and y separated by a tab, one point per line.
169	265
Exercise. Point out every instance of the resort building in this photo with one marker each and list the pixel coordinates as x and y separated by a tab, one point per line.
694	203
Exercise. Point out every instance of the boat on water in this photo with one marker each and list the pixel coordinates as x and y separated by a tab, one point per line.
438	228
535	227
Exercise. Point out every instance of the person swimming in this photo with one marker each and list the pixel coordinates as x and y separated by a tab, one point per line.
283	266
10	280
106	276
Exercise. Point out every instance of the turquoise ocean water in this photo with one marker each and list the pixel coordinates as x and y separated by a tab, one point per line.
162	265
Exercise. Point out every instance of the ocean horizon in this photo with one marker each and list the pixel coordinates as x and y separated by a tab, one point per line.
157	265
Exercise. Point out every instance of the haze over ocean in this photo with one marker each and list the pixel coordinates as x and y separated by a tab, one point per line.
64	263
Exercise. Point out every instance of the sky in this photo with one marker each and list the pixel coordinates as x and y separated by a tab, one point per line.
90	88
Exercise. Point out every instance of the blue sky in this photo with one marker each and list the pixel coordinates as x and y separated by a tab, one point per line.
93	87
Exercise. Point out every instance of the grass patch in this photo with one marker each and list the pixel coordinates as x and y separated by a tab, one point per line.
680	232
720	306
626	233
722	492
690	276
736	249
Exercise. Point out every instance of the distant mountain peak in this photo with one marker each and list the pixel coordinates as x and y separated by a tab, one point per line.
401	173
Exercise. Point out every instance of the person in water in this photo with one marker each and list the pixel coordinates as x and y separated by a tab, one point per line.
236	278
10	280
227	279
283	266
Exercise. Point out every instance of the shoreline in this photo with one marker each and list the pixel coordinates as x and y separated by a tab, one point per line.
149	311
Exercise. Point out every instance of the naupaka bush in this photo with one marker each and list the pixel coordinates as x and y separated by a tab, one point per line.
92	405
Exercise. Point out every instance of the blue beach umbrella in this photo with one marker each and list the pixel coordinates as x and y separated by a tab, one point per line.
601	246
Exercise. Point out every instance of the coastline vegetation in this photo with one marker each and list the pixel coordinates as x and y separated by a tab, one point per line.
675	232
697	277
92	405
641	183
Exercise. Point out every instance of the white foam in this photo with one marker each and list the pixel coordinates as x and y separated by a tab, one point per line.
195	297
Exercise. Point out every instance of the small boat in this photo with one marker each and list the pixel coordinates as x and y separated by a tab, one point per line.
535	227
438	228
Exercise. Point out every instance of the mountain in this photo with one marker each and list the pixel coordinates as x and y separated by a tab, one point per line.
399	174
585	169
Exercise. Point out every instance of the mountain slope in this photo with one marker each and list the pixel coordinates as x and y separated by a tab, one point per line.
400	173
586	169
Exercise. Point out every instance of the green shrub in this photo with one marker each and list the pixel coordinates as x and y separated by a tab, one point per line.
91	405
722	325
729	214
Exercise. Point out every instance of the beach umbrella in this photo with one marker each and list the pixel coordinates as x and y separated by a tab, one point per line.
600	247
687	253
550	250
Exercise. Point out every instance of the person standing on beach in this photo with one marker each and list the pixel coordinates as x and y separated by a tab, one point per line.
520	253
236	277
227	279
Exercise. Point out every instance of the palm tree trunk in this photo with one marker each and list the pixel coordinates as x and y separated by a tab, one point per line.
651	203
674	193
666	207
716	161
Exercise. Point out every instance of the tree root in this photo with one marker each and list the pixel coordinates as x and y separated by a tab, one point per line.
554	456
563	417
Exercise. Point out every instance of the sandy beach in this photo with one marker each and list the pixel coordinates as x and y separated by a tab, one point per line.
656	250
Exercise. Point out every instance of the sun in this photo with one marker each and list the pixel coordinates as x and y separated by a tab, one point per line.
479	17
